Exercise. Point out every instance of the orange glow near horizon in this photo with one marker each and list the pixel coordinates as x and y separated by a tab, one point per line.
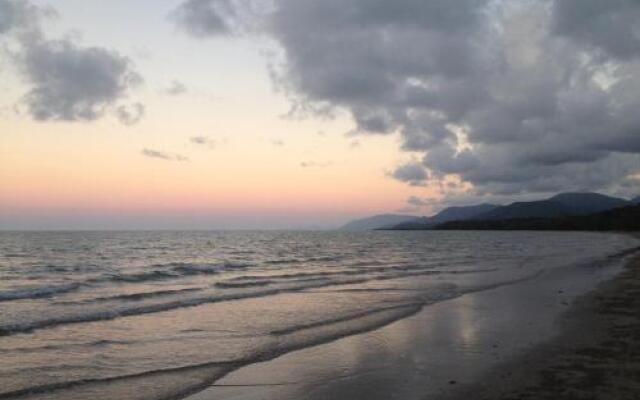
58	167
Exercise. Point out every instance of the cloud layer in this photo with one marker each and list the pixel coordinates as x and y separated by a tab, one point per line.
511	97
502	97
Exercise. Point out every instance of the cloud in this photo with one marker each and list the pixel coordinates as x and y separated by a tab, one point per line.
176	88
419	202
610	26
67	81
508	97
205	18
277	142
21	15
315	164
203	141
72	83
130	115
412	173
164	156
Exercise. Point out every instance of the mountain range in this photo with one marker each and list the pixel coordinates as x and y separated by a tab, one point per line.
558	206
446	215
618	219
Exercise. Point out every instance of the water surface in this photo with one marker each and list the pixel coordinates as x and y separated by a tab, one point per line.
104	314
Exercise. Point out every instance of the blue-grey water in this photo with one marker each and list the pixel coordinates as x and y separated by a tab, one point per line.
160	315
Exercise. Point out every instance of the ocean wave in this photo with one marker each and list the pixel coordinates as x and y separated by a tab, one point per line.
37	292
210	372
56	347
283	261
345	318
104	315
221	368
235	285
325	258
293	276
16	255
114	313
173	271
142	276
196	269
136	296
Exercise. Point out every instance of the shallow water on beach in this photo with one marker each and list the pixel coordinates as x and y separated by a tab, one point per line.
159	315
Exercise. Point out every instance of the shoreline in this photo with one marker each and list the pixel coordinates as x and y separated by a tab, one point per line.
468	345
594	357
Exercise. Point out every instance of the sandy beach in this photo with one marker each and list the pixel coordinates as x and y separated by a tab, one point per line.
596	356
552	337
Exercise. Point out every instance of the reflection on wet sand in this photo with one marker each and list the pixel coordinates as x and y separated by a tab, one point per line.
428	355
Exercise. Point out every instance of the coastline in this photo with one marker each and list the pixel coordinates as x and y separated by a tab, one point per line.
595	356
490	344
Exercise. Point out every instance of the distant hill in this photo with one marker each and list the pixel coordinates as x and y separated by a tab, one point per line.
562	204
589	203
377	222
619	219
528	209
558	206
448	214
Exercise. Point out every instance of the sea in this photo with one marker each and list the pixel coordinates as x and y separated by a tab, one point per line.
163	314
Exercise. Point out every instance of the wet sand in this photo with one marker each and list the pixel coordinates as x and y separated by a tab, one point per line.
596	357
550	337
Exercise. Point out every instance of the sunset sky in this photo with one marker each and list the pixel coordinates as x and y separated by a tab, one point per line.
303	113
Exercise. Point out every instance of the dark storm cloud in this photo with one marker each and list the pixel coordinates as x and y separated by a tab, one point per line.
67	81
163	155
205	18
612	26
512	97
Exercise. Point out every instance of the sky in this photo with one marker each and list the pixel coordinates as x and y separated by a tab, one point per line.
225	114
